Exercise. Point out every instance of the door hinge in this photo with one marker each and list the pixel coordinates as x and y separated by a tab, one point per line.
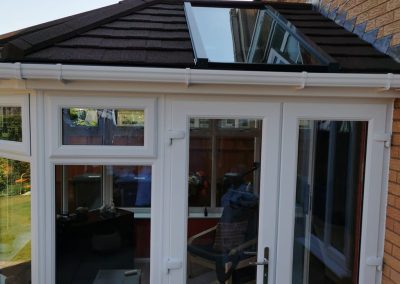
386	138
173	263
175	134
375	261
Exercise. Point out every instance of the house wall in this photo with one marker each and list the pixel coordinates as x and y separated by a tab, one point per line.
391	268
375	21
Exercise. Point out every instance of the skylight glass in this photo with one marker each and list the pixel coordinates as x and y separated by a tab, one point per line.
247	36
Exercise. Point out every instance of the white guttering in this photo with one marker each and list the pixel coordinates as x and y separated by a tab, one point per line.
188	76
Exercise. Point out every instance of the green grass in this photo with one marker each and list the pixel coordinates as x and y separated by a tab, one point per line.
15	220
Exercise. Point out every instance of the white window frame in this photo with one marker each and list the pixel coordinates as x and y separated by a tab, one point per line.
14	147
374	188
55	103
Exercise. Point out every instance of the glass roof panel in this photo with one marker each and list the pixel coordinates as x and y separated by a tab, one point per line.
248	35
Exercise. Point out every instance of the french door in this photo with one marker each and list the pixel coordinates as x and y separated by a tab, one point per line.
272	192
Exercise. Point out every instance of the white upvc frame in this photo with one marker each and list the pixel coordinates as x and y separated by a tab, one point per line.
179	112
22	148
44	161
54	102
376	115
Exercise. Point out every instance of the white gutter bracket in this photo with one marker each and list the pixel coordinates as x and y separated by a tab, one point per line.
20	80
388	84
18	71
304	77
60	74
187	77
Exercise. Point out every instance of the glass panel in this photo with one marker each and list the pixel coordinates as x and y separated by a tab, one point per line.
237	35
10	124
224	160
330	181
89	126
97	236
15	222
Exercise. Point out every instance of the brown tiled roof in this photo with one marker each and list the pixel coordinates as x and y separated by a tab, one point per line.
136	32
155	33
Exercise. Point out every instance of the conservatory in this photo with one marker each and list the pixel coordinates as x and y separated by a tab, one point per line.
182	163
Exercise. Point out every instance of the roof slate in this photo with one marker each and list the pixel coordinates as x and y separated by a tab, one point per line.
155	33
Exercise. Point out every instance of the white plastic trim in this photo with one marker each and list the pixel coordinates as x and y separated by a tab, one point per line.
189	77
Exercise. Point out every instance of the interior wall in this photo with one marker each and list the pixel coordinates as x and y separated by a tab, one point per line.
391	267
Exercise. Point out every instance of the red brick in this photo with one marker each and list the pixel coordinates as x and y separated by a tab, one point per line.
396	252
396	111
395	164
391	200
391	28
394	188
393	213
388	247
392	176
355	11
396	126
395	151
392	4
395	276
387	271
396	229
393	262
390	223
396	139
396	37
392	237
386	280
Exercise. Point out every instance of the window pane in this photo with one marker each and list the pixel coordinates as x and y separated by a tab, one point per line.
238	35
96	236
10	124
224	157
218	147
89	126
15	222
330	181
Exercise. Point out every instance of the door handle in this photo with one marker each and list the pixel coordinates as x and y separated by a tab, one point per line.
264	262
255	263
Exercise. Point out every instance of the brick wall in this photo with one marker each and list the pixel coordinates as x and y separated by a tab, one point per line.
391	267
376	21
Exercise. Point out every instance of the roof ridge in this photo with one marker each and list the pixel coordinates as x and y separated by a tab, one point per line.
30	42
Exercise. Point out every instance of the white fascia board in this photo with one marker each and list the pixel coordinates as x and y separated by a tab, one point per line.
195	76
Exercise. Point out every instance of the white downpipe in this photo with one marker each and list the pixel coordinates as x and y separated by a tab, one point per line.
189	76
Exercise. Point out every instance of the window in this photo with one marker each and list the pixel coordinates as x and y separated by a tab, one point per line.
92	186
14	124
330	183
222	153
95	126
252	34
11	123
97	228
89	126
15	222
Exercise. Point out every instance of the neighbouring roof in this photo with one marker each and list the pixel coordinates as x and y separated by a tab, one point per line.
154	33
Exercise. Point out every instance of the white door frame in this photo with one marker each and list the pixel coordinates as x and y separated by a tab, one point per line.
176	174
375	114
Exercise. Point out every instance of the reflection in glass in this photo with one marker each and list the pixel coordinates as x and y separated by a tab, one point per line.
249	36
97	236
224	186
10	124
330	181
89	126
15	222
